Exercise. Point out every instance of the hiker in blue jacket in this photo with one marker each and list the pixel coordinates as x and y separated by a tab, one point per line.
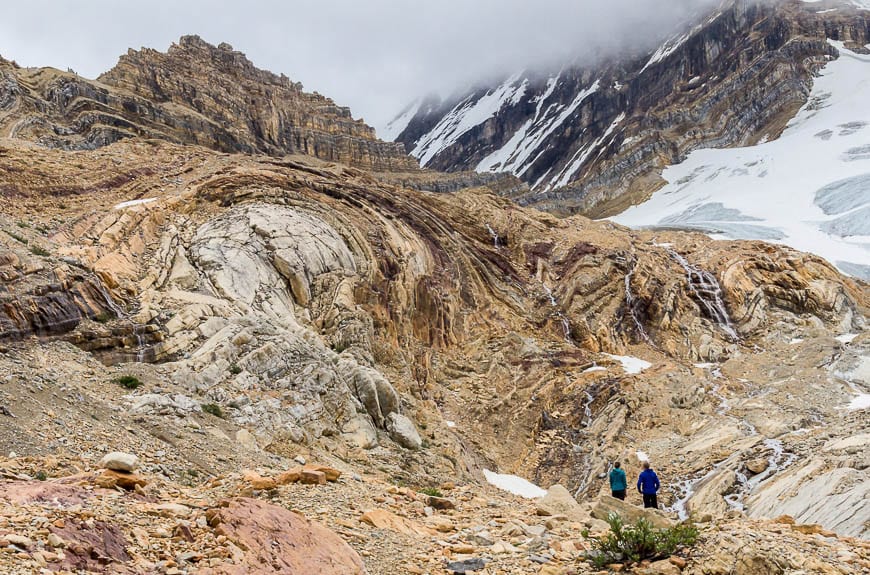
648	485
618	483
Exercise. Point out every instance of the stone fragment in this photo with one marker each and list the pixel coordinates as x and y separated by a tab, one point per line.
330	473
605	505
467	565
119	461
110	479
403	432
559	501
678	561
383	519
311	477
292	475
256	481
441	503
757	465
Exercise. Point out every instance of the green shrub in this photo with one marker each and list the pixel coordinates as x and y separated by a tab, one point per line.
17	238
102	317
22	224
39	251
213	409
431	491
128	381
41	475
634	543
235	369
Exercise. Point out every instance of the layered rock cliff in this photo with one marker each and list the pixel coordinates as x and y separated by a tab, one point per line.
593	138
195	93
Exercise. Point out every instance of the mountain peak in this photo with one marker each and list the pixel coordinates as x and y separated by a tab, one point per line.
194	93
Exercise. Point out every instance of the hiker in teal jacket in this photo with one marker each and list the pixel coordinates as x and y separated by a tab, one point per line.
618	483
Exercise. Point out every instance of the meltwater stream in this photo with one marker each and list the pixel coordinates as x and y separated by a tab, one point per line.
708	293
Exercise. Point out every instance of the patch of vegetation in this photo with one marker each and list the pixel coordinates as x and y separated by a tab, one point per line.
634	543
340	346
41	475
102	317
128	381
17	238
431	491
39	251
213	409
235	369
22	224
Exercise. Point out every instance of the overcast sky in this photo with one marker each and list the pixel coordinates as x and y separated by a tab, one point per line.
372	55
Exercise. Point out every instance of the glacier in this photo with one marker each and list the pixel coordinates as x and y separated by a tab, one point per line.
808	189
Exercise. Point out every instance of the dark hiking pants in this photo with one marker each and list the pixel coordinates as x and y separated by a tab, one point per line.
650	500
619	494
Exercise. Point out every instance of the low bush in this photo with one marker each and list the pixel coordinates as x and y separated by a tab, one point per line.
213	409
128	381
634	543
431	491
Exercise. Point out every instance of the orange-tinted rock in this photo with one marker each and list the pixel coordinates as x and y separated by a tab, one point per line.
312	477
330	473
290	476
275	540
110	479
257	481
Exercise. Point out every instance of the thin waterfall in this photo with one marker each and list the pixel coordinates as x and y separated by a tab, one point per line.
708	293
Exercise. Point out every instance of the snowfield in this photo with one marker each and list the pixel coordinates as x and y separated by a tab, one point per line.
809	189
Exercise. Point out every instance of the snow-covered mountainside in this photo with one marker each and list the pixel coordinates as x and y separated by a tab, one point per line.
809	189
594	138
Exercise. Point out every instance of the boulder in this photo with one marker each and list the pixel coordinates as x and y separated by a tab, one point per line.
312	477
605	505
403	432
559	501
119	461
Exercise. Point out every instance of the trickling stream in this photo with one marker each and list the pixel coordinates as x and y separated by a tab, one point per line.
566	325
708	293
493	235
141	345
630	303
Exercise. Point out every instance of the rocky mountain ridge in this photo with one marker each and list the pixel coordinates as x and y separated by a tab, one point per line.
593	139
194	93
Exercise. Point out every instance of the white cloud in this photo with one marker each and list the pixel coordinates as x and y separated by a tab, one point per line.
374	55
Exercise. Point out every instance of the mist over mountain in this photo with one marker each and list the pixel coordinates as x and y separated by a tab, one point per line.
374	57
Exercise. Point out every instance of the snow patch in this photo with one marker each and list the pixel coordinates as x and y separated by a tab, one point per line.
860	402
514	484
450	424
846	337
630	364
398	124
641	456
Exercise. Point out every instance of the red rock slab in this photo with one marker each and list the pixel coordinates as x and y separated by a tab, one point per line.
63	492
276	540
96	547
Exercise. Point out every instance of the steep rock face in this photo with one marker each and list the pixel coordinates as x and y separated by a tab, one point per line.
195	93
314	304
592	139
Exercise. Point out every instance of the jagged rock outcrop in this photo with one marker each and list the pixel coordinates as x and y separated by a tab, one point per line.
593	138
195	93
